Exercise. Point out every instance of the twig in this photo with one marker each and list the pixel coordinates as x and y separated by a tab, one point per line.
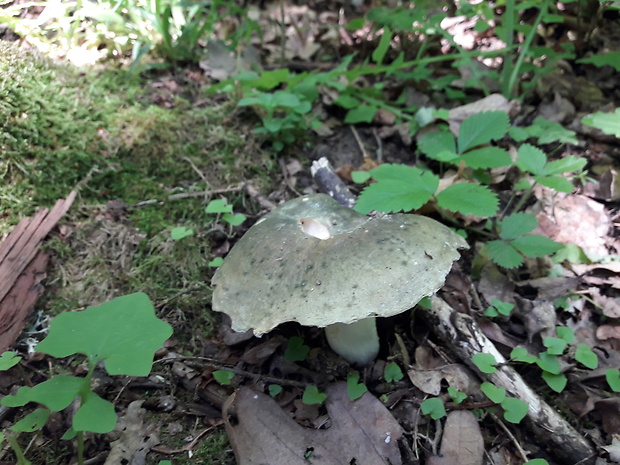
330	183
195	168
358	139
189	195
511	436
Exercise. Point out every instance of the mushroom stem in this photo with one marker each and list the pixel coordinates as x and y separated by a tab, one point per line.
356	342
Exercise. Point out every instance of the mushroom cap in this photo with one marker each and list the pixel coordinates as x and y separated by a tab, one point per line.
367	267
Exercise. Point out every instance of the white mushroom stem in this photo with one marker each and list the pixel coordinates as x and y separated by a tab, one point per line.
356	342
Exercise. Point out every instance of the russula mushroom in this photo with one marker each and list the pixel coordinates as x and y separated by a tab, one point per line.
316	262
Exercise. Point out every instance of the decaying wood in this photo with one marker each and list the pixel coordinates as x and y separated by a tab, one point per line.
330	183
22	268
461	333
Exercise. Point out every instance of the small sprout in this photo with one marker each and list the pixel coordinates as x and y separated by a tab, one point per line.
498	307
8	360
514	409
233	220
485	363
296	350
180	232
433	407
496	394
313	396
274	389
554	345
612	376
549	363
585	356
457	396
218	206
392	372
217	261
355	390
520	354
223	376
565	333
557	382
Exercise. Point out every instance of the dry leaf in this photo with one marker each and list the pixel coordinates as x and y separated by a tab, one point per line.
462	442
137	438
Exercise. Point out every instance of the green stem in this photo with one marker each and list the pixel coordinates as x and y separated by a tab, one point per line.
80	446
508	21
21	458
523	199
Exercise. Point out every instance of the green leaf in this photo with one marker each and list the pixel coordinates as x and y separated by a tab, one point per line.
557	183
34	421
548	132
355	390
398	187
565	165
531	159
504	254
565	333
505	308
360	177
274	389
585	356
557	382
520	354
536	462
382	48
347	101
180	232
296	350
233	220
217	261
124	333
361	114
457	396
468	199
482	128
485	363
438	145
96	415
554	345
549	363
487	157
392	372
496	394
612	375
218	206
515	410
433	407
56	393
312	396
535	245
516	225
609	123
603	59
8	360
356	23
223	376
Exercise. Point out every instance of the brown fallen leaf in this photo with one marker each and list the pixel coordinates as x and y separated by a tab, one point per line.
462	442
361	431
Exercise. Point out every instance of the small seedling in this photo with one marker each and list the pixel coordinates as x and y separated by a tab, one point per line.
586	357
355	389
497	308
180	232
296	350
456	395
312	396
392	372
433	407
223	376
520	354
274	389
221	207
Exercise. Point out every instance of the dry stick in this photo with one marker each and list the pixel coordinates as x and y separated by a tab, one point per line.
329	182
461	333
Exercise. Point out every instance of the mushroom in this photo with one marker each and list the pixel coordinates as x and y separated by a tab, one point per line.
316	262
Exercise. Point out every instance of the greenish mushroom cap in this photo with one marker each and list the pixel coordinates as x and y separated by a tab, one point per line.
367	267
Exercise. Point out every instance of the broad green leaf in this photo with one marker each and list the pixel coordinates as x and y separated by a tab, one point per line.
8	360
274	389
496	394
468	199
535	245
485	362
565	165
487	157
609	123
515	410
482	128
124	333
223	377
548	363
586	357
520	354
557	382
285	99
360	177
603	59
565	333
384	45
392	372
180	232
531	159
612	375
233	220
33	421
516	225
96	415
438	145
296	350
433	407
355	389
557	183
554	345
361	114
313	396
56	393
218	206
398	187
217	261
504	254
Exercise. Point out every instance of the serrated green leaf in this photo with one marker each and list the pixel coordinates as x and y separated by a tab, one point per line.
548	132
496	394
392	372
586	357
554	345
565	165
218	206
531	159
565	333
468	199
515	410
360	114
433	407
603	59
96	415
485	362
223	377
482	128
535	245
516	225
557	382
518	134
612	375
355	389
487	157
398	187
504	254
296	350
33	421
609	123
438	145
313	396
56	393
557	183
108	332
548	363
384	44
520	354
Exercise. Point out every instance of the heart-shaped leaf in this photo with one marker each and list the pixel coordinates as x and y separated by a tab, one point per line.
355	390
496	394
514	409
